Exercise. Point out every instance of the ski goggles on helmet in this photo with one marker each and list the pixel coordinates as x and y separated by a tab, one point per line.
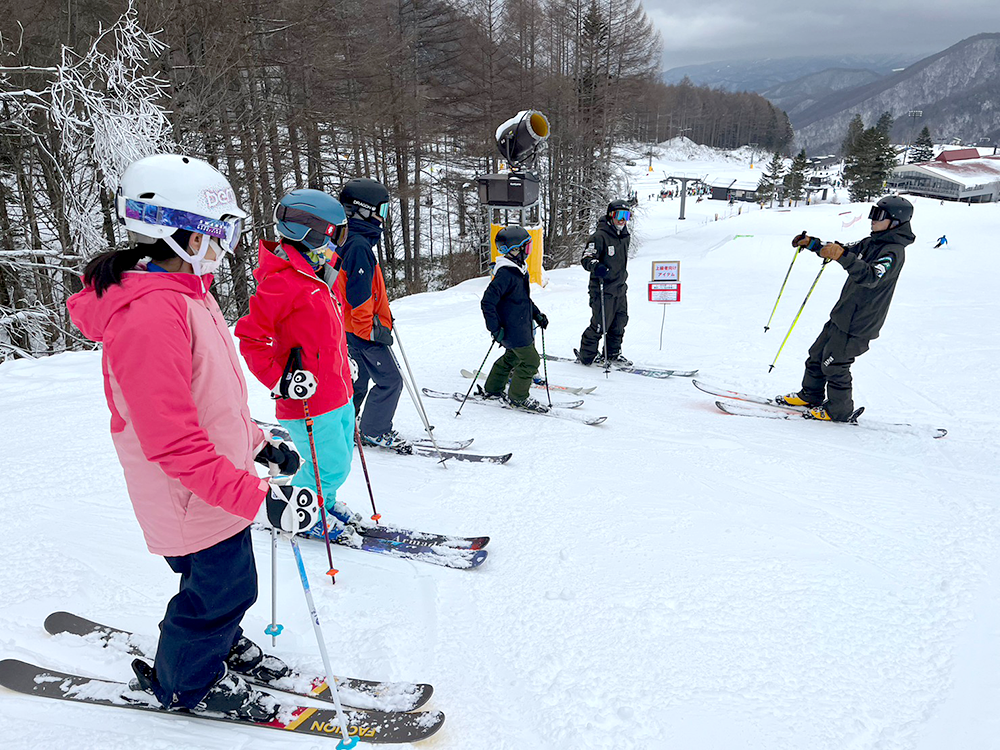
878	214
366	212
335	233
621	214
525	243
226	231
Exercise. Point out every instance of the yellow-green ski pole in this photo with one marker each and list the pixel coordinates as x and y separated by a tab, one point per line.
781	291
815	281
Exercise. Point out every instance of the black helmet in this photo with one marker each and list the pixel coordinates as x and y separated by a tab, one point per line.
514	242
365	198
892	207
619	206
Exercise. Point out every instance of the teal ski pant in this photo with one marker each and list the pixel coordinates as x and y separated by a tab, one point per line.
333	434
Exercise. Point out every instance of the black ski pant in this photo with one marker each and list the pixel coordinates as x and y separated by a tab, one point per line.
202	621
375	364
828	371
615	317
520	366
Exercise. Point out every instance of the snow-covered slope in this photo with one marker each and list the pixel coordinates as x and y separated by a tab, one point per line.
675	578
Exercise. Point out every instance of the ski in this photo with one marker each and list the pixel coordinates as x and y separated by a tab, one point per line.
428	451
737	396
763	411
443	555
363	694
396	534
504	405
538	382
367	726
649	372
277	431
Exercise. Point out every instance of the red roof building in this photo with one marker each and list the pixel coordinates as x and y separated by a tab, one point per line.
957	154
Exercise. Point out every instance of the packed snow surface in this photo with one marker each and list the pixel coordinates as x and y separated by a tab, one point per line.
673	578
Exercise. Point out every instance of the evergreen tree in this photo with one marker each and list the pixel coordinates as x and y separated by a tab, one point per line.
795	180
767	188
869	164
884	124
854	131
923	147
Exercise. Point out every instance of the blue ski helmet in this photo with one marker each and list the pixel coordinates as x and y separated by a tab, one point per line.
311	217
514	242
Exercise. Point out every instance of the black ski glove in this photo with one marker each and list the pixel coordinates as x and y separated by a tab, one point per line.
279	457
380	334
601	270
292	509
543	322
497	335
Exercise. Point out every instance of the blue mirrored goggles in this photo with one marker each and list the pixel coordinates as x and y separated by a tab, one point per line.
526	244
227	231
621	215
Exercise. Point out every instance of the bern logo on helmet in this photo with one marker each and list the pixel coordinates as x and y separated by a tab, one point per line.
219	197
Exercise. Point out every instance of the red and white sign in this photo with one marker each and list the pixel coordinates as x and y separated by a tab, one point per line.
664	291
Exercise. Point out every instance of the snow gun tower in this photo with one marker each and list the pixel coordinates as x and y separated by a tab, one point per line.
511	196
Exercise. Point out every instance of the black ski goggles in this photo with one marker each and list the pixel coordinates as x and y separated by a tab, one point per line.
878	214
365	212
335	233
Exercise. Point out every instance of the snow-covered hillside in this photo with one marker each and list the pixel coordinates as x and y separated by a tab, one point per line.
674	578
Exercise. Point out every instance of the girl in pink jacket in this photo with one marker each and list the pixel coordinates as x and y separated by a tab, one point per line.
182	429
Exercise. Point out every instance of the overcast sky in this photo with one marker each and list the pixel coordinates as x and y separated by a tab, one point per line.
702	31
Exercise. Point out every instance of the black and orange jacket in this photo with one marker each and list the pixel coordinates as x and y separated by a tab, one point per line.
360	280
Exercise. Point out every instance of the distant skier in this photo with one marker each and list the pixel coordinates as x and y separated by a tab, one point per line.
297	308
509	312
605	256
873	265
367	316
942	240
182	429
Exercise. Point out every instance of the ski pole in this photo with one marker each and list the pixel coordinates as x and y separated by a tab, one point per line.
493	342
331	680
414	398
357	439
815	281
275	628
419	402
767	325
545	369
604	328
332	572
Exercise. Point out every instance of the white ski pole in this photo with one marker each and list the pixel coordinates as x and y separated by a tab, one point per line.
347	742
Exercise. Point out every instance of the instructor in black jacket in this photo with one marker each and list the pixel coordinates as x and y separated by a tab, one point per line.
606	257
872	266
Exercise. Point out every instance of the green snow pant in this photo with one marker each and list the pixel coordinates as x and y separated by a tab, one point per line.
520	366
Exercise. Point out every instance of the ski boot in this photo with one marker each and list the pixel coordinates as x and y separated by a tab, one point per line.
792	399
528	404
389	439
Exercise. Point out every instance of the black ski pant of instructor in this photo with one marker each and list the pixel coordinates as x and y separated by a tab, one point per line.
375	364
828	371
616	317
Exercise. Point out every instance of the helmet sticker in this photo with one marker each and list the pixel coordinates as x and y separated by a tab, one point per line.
218	197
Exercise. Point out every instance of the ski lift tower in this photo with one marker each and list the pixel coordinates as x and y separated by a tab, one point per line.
683	180
512	196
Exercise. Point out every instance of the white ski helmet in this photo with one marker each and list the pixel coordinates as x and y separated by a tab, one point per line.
160	194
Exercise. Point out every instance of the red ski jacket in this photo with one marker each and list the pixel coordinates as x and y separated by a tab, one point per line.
293	307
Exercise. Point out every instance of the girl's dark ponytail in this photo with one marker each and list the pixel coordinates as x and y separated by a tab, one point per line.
108	268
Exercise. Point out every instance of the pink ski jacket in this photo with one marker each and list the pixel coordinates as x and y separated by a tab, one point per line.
293	307
179	416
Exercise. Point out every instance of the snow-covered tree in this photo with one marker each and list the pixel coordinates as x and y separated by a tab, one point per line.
923	147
